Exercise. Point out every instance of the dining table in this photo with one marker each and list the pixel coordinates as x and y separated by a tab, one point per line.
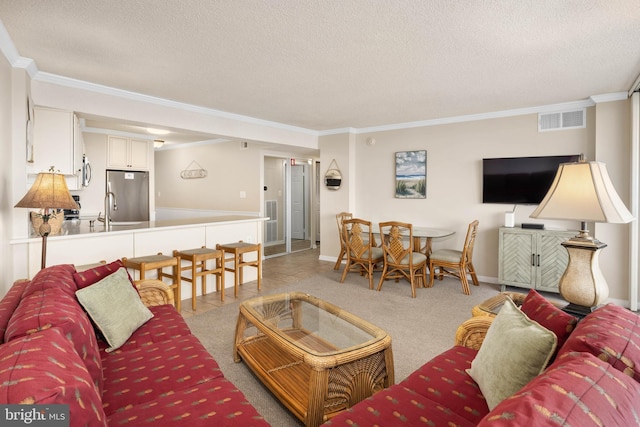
427	234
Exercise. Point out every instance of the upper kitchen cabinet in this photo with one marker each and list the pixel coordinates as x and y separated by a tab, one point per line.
57	141
128	153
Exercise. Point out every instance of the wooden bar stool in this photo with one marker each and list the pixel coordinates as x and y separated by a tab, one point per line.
198	258
238	250
158	263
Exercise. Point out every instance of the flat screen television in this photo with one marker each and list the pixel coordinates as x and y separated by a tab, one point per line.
520	180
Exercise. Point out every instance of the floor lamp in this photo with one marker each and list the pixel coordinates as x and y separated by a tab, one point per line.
49	191
583	191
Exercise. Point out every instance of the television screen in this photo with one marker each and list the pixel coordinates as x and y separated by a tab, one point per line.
520	180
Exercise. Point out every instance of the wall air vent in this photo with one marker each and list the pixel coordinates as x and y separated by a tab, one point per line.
271	211
562	120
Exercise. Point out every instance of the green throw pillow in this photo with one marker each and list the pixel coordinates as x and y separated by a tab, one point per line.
115	307
515	350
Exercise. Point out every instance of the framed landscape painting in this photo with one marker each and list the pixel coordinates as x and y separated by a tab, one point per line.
411	174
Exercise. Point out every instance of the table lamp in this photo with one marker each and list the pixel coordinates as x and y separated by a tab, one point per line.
49	191
583	191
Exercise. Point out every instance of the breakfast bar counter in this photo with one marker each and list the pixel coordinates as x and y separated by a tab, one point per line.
78	243
84	226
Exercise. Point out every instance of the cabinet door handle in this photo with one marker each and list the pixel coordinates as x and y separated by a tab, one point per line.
538	260
533	260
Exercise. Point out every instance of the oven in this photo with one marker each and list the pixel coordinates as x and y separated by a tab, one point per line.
73	213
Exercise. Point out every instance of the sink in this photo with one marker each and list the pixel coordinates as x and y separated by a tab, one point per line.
125	222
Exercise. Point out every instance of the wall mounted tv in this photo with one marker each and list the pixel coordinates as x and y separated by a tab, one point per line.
520	180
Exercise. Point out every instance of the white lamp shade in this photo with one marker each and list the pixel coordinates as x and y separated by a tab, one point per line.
583	191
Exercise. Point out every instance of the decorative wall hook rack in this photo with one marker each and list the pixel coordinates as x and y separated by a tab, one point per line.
192	172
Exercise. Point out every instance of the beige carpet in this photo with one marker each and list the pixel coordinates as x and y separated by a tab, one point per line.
420	328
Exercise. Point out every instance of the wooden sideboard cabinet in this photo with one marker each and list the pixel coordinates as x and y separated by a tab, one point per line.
534	259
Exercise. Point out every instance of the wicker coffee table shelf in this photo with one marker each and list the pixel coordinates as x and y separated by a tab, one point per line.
317	359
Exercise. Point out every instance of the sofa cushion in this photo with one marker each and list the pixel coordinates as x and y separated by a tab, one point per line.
216	402
611	333
166	324
92	275
57	277
537	308
399	406
445	381
9	303
115	307
48	307
514	351
44	368
577	390
144	373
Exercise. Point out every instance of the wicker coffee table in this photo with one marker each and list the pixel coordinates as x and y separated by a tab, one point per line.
316	358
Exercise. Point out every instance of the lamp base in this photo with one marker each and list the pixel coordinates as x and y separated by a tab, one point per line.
582	283
578	311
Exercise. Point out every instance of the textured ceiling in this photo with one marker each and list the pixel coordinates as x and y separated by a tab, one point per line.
334	64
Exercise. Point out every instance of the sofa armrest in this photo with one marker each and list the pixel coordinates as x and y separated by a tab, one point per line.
471	332
154	292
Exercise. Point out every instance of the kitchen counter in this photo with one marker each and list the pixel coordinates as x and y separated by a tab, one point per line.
76	227
80	244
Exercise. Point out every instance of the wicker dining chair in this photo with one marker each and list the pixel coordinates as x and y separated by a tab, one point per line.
360	248
343	246
401	259
456	263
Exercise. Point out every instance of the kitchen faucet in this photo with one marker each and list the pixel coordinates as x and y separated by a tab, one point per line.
107	208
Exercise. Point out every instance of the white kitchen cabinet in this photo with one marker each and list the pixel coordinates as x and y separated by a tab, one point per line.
128	153
57	142
530	258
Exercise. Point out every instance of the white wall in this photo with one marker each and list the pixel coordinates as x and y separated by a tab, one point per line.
334	148
613	147
6	171
230	171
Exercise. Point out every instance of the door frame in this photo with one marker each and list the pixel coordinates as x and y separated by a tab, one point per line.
311	196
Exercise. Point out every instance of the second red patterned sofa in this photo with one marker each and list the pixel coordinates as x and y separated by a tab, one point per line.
53	352
584	376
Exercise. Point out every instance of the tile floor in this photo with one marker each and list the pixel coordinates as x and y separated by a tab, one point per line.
276	272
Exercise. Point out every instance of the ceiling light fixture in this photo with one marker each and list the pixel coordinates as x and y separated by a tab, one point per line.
158	131
158	143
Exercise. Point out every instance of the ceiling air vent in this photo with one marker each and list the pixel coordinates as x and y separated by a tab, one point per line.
562	120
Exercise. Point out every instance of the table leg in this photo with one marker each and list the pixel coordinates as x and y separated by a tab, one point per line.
318	383
241	326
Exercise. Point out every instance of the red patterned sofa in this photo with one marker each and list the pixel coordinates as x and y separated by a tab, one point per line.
590	377
50	353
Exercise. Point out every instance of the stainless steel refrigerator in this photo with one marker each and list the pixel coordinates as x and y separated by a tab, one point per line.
131	193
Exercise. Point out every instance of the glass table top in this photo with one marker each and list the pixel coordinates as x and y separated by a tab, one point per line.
311	324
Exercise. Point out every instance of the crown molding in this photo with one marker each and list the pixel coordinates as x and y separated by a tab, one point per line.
609	97
482	116
7	47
